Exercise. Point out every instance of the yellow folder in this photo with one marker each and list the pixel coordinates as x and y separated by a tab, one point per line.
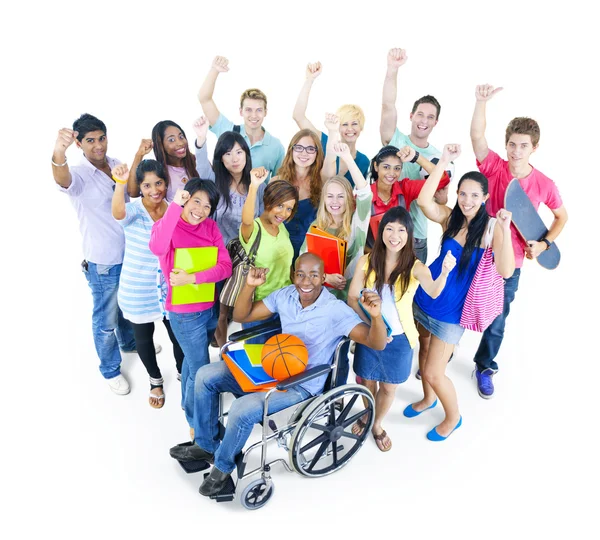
194	260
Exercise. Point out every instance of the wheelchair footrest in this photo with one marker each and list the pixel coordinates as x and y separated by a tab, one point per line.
194	466
227	493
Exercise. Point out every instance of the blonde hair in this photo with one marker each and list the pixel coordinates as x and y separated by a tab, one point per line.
253	93
351	112
325	219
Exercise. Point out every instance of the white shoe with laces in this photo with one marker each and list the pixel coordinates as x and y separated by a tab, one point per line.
119	385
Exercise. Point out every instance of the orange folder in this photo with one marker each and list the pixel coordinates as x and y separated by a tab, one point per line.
241	377
327	246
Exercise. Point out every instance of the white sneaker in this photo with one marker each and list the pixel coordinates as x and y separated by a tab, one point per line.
119	385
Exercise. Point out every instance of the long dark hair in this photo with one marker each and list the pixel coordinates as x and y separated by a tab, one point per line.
223	177
150	166
477	225
406	259
158	133
385	152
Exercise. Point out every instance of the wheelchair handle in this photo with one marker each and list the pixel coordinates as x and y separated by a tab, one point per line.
242	335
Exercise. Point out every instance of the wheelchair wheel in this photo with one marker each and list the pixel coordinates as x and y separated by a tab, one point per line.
323	441
257	494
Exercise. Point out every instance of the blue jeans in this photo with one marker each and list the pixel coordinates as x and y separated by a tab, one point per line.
111	331
247	410
494	333
193	332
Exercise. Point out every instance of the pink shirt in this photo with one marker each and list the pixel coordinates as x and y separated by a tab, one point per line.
539	189
173	232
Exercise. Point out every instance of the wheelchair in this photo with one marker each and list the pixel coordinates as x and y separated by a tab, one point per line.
317	437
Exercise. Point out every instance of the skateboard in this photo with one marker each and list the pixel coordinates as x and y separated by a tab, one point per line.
528	222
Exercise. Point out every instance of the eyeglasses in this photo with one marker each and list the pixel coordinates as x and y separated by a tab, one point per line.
309	149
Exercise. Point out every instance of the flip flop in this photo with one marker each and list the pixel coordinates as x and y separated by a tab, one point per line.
379	441
161	400
360	427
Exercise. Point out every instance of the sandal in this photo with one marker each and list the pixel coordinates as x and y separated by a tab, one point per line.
160	398
379	441
359	427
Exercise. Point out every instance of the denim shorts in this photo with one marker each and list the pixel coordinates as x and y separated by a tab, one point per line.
448	332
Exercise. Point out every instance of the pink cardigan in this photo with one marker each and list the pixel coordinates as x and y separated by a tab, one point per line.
173	232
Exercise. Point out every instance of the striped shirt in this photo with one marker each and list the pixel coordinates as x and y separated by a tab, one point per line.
138	294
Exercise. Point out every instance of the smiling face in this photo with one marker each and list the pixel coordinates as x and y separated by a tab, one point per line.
94	146
235	159
470	198
389	169
253	112
197	209
519	148
335	199
303	158
309	277
279	213
423	120
350	130
175	143
153	188
395	236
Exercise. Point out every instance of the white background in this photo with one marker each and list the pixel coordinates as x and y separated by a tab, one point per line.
80	462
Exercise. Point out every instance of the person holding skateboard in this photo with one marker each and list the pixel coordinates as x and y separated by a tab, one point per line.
522	138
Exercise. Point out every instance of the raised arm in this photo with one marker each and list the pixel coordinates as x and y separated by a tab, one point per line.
375	335
144	149
162	230
120	175
342	151
60	169
332	124
245	310
504	254
257	177
423	275
389	115
299	115
483	93
432	210
205	94
203	165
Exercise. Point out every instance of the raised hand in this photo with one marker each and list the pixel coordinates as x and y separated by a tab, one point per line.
451	152
121	173
484	92
341	149
66	137
396	58
145	148
201	129
220	64
313	70
179	277
181	197
258	175
448	263
332	122
337	281
371	301
257	276
406	153
504	217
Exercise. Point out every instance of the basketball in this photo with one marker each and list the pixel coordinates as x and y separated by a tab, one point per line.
284	356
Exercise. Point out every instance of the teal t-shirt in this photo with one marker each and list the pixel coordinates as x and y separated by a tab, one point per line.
415	172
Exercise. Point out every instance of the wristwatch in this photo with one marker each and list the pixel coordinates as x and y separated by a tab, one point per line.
414	159
547	242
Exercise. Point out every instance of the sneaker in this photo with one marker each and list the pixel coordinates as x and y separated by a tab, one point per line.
418	373
178	376
485	385
119	385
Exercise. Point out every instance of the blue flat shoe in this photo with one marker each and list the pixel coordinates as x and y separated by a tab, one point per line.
409	412
433	435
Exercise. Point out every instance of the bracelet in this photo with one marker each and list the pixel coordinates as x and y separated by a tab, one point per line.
59	164
414	160
119	181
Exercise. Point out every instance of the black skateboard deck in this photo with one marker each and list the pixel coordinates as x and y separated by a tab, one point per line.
528	222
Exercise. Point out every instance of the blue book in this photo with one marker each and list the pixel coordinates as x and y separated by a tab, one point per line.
387	324
255	373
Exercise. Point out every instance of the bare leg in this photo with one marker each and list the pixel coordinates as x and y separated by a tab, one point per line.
357	429
221	330
428	393
383	401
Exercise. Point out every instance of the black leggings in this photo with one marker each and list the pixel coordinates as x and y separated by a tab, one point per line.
145	347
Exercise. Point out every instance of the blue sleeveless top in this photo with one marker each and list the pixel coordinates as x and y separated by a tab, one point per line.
448	306
299	224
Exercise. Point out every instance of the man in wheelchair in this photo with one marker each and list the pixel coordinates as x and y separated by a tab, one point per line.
307	310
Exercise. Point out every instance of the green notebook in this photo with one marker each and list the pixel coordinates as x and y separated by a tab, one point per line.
194	260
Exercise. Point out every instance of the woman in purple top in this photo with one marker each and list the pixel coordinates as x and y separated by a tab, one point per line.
438	320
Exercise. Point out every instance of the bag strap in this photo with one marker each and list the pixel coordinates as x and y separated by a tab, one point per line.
489	234
255	244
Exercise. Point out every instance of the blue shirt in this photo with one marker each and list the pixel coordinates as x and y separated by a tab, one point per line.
362	161
267	153
321	326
